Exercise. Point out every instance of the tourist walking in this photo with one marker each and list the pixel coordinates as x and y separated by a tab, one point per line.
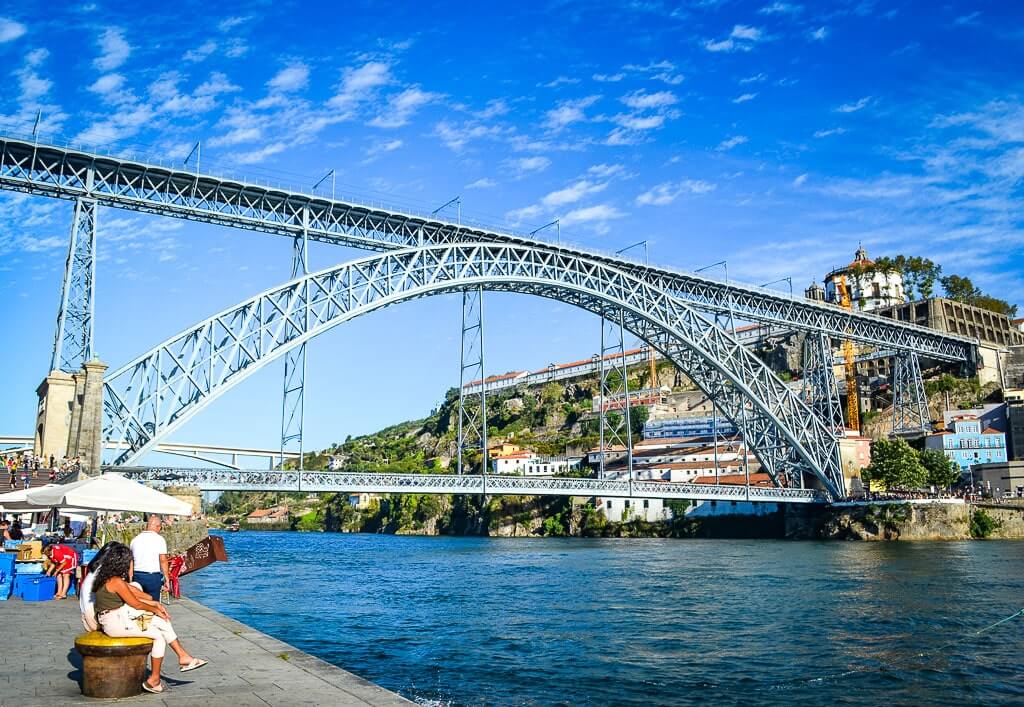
122	613
149	549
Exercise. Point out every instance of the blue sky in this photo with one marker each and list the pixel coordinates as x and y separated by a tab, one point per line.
774	135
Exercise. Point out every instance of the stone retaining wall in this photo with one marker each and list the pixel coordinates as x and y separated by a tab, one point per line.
180	535
900	521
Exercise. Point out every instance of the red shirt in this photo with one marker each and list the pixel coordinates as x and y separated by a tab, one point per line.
65	557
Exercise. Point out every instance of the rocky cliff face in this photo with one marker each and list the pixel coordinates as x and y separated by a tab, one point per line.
935	521
180	535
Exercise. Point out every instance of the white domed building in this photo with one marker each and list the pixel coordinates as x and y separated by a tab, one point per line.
869	289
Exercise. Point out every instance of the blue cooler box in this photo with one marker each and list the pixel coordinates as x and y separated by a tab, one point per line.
5	590
88	555
28	568
35	587
7	562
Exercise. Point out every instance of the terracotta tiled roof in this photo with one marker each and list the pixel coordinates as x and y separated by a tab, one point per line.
758	479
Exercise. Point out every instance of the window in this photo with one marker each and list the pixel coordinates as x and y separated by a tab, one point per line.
609	504
625	504
647	503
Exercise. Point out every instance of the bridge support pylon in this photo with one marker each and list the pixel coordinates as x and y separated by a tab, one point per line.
910	416
821	391
472	422
73	341
294	398
615	425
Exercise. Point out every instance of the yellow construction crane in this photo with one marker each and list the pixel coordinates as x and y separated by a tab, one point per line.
849	354
654	368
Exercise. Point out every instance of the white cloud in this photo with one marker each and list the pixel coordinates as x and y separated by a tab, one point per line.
201	52
572	193
107	84
725	45
604	171
969	19
781	8
291	78
639	122
732	142
380	148
591	214
800	180
818	35
229	23
260	154
33	86
667	192
855	106
537	163
10	30
455	137
236	48
560	81
670	79
568	112
482	183
829	133
742	38
756	78
517	216
359	83
641	100
753	34
402	106
217	84
114	49
744	98
494	109
609	78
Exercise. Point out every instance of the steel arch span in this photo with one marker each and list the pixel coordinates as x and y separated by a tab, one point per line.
153	395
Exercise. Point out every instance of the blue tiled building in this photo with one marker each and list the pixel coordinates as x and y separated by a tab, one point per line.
967	443
688	427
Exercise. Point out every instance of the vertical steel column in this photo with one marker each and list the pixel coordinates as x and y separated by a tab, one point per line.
73	342
614	386
821	392
910	414
294	400
472	425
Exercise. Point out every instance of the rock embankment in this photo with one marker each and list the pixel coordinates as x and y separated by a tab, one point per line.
180	535
906	521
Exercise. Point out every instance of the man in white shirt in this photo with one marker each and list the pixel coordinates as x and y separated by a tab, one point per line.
149	551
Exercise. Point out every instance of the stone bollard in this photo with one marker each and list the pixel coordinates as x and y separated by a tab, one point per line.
112	667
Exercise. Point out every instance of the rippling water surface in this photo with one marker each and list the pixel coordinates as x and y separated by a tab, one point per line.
473	621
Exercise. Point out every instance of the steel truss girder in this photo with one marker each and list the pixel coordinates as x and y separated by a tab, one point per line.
61	172
614	425
154	394
472	421
357	482
73	341
821	392
910	414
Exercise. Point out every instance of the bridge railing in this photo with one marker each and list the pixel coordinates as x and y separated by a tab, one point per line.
500	484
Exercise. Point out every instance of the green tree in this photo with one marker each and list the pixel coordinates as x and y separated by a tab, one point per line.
637	417
942	471
960	288
895	464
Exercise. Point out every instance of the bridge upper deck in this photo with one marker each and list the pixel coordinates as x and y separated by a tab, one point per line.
66	172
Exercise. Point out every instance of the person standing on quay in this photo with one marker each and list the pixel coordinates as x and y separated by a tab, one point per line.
149	550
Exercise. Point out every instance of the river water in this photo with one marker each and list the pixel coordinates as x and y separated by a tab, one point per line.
482	621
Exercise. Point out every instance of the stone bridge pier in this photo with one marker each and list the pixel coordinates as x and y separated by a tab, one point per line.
69	416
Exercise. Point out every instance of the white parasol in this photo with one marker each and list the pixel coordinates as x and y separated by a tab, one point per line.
108	492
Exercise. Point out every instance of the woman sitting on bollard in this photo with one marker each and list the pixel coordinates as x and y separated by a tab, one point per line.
121	613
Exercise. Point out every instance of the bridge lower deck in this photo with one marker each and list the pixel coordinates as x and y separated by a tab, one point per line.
341	482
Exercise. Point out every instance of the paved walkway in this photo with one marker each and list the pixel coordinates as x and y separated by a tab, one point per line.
39	666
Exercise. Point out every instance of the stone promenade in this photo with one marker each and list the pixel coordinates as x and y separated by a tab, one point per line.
39	665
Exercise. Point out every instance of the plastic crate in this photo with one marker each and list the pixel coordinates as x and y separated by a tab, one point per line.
35	588
88	556
5	590
12	544
28	568
7	561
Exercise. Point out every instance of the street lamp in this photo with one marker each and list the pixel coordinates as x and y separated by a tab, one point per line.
638	243
557	223
458	205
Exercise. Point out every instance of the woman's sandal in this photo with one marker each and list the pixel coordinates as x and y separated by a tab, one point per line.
155	690
196	663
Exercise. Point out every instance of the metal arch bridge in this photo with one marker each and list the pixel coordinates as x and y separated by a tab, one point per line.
154	394
498	484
